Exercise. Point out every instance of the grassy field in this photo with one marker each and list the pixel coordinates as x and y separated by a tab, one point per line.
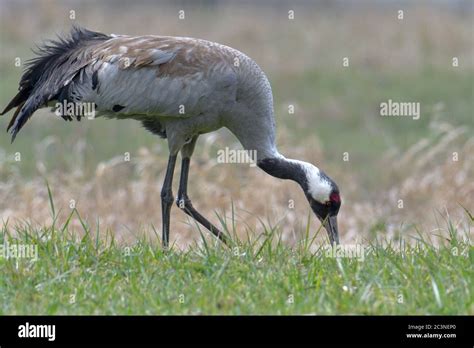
93	275
99	248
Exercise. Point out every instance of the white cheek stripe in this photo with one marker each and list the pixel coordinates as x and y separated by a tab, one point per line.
318	187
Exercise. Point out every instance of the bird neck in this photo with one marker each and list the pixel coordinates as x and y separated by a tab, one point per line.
284	168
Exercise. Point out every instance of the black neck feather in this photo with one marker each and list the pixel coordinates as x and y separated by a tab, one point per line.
282	168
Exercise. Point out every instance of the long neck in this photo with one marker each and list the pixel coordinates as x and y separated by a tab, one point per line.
283	168
254	125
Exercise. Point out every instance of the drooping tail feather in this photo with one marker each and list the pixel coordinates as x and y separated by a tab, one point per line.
48	74
17	111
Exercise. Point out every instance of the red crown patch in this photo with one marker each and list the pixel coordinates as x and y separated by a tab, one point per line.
334	197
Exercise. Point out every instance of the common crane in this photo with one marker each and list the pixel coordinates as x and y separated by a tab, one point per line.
179	88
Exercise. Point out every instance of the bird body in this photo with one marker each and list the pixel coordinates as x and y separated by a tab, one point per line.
203	84
178	88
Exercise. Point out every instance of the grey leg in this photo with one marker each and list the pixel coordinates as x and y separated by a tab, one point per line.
167	200
184	203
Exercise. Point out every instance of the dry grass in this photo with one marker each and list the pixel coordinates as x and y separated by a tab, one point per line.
126	195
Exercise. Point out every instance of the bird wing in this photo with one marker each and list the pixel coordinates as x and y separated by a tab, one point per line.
149	75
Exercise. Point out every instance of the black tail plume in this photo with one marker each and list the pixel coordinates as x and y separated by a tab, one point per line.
56	65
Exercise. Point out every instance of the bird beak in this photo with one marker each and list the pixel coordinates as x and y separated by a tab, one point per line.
330	224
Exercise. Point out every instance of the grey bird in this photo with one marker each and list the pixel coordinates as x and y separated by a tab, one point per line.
178	88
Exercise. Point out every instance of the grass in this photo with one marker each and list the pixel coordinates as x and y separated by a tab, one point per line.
90	273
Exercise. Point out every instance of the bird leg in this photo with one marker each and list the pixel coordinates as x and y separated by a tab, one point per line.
184	203
167	200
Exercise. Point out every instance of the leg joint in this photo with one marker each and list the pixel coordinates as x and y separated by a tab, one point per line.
183	202
167	196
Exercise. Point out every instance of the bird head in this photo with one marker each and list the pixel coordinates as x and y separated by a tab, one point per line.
324	198
320	190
